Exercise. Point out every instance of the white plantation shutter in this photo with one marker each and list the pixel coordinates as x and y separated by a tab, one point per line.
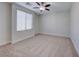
29	21
24	21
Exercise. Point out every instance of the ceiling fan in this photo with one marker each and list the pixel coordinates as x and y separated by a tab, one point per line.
42	6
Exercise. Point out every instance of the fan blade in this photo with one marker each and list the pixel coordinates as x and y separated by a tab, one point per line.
47	9
42	2
38	3
35	7
47	5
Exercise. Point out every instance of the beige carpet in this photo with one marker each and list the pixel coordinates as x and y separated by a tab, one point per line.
40	46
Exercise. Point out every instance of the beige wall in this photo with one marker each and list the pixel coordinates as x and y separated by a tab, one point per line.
8	31
55	23
18	36
75	25
5	23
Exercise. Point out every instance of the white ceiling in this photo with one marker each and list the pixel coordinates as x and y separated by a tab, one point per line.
55	6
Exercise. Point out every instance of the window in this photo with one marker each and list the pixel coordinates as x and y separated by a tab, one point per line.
24	21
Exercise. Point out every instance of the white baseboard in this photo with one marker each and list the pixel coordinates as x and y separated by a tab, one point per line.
60	35
76	48
15	41
4	43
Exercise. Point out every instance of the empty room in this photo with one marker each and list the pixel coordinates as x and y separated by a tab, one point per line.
39	29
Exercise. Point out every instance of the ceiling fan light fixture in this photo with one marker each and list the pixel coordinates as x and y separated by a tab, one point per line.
42	8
